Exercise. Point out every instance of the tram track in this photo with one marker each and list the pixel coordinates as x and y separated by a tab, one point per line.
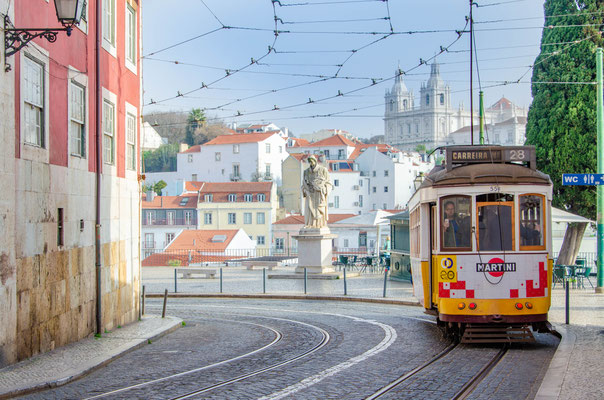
462	393
325	338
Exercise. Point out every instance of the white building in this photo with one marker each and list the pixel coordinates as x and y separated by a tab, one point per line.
431	123
150	139
365	176
260	128
245	157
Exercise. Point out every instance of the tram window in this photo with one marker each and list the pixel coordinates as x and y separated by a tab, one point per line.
456	222
531	221
495	223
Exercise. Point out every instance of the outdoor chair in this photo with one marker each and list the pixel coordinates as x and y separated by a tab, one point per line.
559	274
583	276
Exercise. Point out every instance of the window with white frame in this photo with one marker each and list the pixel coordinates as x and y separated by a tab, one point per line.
260	218
336	202
109	22
130	35
188	217
235	149
190	158
131	141
170	217
208	198
150	217
268	148
267	169
108	132
247	197
169	237
235	170
261	197
360	200
280	149
217	156
260	239
385	172
232	218
207	218
194	177
33	101
247	218
232	197
77	119
279	244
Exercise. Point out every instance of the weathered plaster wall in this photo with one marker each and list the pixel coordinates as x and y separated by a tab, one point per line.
8	279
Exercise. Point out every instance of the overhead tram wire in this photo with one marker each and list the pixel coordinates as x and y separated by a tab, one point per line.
374	83
230	72
499	3
325	3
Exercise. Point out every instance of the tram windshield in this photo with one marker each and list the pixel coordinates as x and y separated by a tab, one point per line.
531	220
456	222
495	223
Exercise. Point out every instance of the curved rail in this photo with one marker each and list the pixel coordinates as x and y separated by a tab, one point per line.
409	374
316	348
484	371
278	337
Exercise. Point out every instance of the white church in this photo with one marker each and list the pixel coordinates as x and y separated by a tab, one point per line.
435	123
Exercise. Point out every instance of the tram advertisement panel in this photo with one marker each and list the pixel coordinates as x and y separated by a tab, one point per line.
492	276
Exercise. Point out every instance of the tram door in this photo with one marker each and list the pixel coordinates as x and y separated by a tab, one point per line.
433	249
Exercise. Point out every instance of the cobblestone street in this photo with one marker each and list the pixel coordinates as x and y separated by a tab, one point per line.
270	349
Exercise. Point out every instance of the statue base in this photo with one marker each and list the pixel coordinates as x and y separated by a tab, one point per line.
315	250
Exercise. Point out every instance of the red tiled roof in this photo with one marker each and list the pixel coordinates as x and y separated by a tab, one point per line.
239	138
193	186
193	149
300	142
381	147
202	240
170	202
221	190
335	140
502	103
299	156
296	219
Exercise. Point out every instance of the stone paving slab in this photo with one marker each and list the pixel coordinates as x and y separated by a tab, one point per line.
70	362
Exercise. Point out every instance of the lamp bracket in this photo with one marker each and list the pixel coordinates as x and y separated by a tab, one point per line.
15	39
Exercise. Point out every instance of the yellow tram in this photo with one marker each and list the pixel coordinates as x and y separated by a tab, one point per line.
480	243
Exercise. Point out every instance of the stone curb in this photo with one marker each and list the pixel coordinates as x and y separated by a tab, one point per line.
93	364
551	385
286	297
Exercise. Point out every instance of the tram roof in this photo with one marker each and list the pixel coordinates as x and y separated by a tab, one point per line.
485	174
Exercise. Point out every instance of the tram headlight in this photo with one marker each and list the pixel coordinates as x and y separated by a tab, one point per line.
472	306
461	306
519	306
528	305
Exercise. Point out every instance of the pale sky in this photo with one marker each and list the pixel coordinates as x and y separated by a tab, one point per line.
325	48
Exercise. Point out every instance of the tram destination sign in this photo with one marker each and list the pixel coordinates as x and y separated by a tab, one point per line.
459	155
582	179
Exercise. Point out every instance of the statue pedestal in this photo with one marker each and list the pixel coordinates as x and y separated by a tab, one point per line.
315	250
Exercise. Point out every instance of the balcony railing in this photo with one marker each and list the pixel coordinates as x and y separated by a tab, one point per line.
171	221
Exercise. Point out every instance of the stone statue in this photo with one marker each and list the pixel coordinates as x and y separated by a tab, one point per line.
316	188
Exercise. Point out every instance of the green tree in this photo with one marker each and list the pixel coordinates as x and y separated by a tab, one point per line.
195	121
162	159
562	118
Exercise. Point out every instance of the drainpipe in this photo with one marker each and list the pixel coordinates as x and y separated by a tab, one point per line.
98	116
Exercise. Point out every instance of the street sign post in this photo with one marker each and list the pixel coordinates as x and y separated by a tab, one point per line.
582	179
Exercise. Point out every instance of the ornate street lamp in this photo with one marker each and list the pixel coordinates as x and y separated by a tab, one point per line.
419	179
69	13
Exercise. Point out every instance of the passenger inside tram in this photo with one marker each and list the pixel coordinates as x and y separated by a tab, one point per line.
456	227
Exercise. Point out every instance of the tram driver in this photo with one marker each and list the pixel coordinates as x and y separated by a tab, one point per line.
456	229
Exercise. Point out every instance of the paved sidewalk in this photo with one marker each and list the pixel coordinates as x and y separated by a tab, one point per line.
76	359
576	369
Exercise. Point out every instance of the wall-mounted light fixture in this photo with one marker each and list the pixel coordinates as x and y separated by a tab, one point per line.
69	13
